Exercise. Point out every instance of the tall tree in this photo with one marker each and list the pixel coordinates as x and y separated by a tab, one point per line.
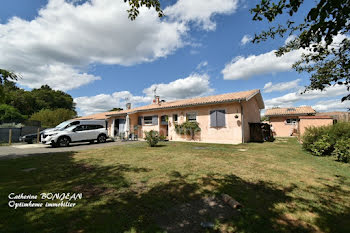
47	98
325	58
5	76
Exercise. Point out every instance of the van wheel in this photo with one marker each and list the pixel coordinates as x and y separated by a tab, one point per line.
63	142
101	138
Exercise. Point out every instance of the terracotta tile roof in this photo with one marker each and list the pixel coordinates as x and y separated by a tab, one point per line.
229	97
315	117
305	110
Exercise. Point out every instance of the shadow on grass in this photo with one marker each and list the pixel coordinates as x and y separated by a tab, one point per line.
112	204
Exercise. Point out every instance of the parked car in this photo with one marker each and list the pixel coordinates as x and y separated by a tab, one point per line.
66	124
76	133
30	138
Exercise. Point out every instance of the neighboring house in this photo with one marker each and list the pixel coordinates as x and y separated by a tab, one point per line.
294	120
284	121
222	118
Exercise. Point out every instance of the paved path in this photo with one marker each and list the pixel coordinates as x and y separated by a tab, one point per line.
23	150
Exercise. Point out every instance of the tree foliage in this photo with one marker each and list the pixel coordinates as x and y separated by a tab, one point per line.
29	102
5	76
9	114
51	118
326	59
136	4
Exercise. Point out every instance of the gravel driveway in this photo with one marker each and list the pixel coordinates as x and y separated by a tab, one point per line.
21	150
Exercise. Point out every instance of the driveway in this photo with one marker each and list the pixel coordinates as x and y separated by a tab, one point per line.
23	150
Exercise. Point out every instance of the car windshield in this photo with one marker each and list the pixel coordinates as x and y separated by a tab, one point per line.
63	125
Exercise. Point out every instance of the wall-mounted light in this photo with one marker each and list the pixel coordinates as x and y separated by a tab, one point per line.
236	116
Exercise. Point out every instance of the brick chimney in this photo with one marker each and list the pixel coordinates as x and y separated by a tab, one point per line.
128	105
156	99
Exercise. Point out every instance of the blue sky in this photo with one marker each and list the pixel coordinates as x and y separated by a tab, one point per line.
93	52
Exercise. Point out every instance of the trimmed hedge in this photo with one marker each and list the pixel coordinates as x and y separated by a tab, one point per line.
329	140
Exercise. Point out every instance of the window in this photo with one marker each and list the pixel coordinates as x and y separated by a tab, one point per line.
81	128
291	121
139	120
147	120
217	118
191	117
175	117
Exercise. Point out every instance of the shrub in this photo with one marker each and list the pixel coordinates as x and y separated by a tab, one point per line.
329	140
321	146
338	131
152	137
342	150
311	135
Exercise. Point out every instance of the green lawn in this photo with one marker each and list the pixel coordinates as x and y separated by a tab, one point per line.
126	188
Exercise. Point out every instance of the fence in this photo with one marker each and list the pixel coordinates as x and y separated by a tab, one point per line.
16	133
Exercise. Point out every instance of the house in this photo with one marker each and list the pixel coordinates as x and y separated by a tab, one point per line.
222	118
293	121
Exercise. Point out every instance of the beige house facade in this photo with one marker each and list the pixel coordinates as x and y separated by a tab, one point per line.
222	118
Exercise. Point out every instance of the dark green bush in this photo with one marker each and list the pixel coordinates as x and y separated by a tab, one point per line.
152	137
342	150
329	140
338	131
321	146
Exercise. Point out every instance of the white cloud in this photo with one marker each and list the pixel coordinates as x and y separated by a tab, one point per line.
292	98
331	105
103	102
200	12
246	39
283	86
246	67
201	65
57	47
191	86
68	37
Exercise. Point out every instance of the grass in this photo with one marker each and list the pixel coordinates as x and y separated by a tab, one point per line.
125	188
